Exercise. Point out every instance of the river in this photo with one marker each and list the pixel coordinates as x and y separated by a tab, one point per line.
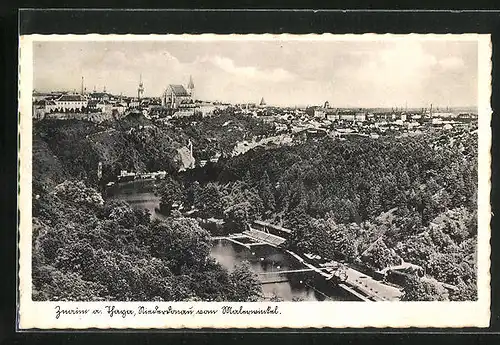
264	260
267	262
139	194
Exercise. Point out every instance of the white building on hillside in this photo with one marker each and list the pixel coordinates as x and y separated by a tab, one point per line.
71	102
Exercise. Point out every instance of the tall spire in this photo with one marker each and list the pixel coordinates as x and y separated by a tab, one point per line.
82	86
190	87
190	84
140	89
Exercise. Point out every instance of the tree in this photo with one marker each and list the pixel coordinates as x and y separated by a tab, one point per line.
78	193
213	283
379	256
180	241
297	196
298	221
416	289
267	194
170	193
239	214
209	201
192	193
333	240
69	286
122	213
246	286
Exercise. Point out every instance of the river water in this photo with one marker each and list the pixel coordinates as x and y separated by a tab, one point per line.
264	260
267	262
139	194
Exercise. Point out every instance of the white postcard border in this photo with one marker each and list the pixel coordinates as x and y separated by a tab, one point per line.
42	315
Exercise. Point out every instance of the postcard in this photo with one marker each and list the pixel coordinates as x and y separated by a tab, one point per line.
254	181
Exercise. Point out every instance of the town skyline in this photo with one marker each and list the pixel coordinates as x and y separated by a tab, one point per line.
411	74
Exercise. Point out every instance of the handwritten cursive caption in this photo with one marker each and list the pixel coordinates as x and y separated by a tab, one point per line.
112	311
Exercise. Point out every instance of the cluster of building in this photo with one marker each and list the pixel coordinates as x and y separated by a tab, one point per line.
326	120
176	101
56	104
394	116
179	101
130	176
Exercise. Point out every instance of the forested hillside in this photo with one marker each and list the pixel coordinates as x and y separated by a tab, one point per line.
370	202
65	149
86	249
373	202
222	132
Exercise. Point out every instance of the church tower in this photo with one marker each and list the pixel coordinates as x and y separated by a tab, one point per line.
140	89
190	87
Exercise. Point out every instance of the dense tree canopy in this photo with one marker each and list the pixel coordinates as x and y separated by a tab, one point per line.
85	249
375	202
366	201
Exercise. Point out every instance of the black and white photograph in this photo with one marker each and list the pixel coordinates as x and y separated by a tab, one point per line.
258	169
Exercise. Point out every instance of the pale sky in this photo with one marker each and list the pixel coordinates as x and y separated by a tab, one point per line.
359	74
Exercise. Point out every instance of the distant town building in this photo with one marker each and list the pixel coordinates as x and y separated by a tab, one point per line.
360	116
43	106
174	96
92	105
71	102
100	96
37	96
443	115
206	109
319	113
105	106
347	116
150	104
118	107
331	115
133	103
466	117
184	113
